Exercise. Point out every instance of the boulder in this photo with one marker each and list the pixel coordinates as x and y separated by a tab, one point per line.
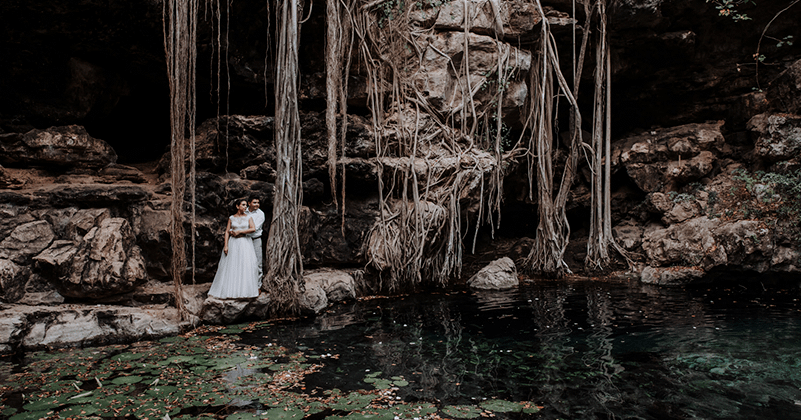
106	262
779	136
83	221
13	278
63	147
498	275
338	285
313	299
56	260
25	241
228	311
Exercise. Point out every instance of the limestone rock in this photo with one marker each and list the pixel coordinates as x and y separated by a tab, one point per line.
83	221
313	299
499	274
66	146
12	280
708	244
663	159
34	328
442	52
106	262
671	276
779	136
338	285
26	241
228	311
517	19
56	260
677	209
628	235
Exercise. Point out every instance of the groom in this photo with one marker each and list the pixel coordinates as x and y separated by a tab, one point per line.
258	220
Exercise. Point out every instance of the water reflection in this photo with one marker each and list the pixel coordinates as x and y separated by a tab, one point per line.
581	349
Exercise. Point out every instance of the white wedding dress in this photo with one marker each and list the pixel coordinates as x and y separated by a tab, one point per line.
238	273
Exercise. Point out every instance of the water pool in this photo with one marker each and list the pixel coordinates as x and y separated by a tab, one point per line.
574	349
579	349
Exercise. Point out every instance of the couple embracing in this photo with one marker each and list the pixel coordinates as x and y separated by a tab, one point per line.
240	269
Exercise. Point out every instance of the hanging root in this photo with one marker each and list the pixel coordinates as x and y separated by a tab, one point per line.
433	161
284	277
180	41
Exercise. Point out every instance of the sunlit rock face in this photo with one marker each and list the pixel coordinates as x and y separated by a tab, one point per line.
104	263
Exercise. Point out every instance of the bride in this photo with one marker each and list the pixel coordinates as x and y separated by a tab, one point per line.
237	273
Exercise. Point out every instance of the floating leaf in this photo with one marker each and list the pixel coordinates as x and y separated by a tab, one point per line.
42	405
125	357
29	415
502	406
280	413
123	380
353	401
462	411
78	411
243	416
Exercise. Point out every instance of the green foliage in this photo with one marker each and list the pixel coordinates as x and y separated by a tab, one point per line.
771	191
425	4
389	10
729	8
788	41
677	197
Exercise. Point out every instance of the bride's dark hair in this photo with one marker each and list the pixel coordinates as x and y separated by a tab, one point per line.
236	203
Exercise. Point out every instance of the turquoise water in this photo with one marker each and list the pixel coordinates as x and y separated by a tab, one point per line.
579	349
573	349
